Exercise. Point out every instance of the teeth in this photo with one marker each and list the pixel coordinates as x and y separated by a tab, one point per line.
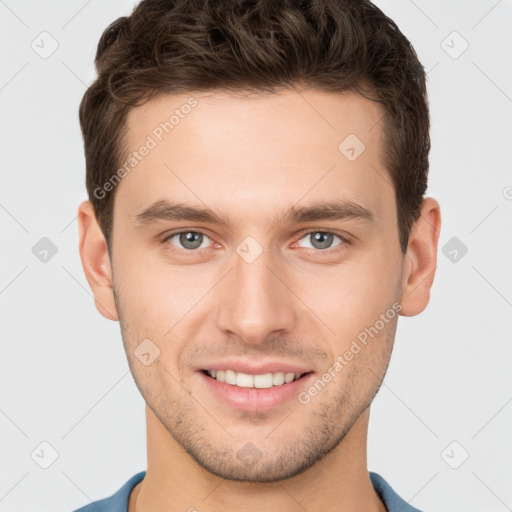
263	381
245	380
278	378
230	377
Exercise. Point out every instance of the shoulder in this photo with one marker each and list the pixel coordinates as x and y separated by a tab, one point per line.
118	502
393	502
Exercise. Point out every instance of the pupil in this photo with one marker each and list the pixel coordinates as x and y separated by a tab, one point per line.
323	239
189	240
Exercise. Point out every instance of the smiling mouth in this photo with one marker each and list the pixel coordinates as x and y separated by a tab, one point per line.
261	381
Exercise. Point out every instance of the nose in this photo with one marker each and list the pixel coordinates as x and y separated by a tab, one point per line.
256	303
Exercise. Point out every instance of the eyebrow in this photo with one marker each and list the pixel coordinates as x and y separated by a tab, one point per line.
330	210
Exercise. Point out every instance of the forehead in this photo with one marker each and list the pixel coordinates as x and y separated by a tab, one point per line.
255	151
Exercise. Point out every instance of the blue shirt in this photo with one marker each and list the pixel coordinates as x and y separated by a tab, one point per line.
118	502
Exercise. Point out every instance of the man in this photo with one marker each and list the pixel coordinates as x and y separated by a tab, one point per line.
257	223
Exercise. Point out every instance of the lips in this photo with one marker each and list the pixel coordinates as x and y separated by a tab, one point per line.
260	388
247	380
260	368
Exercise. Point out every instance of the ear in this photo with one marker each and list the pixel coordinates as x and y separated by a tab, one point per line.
95	261
420	260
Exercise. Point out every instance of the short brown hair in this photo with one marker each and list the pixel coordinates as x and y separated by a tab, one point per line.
177	46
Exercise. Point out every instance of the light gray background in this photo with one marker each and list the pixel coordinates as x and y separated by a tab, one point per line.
64	377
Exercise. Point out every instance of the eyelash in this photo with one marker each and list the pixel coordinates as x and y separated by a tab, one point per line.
328	251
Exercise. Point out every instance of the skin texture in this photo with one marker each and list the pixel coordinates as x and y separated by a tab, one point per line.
249	159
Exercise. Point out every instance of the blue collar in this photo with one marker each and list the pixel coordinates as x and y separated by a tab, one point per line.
118	502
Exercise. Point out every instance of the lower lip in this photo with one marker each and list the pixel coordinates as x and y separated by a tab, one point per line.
256	399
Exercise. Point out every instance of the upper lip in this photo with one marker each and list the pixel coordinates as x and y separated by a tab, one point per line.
253	368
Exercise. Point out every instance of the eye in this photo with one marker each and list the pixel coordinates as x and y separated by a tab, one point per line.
321	240
188	240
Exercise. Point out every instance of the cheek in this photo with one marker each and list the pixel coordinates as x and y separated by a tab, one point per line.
350	301
347	297
151	293
354	294
157	303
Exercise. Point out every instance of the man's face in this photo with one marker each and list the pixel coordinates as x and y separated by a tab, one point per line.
260	288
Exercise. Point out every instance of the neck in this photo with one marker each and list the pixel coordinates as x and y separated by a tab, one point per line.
175	482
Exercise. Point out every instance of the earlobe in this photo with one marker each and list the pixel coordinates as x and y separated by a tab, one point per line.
95	261
420	261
